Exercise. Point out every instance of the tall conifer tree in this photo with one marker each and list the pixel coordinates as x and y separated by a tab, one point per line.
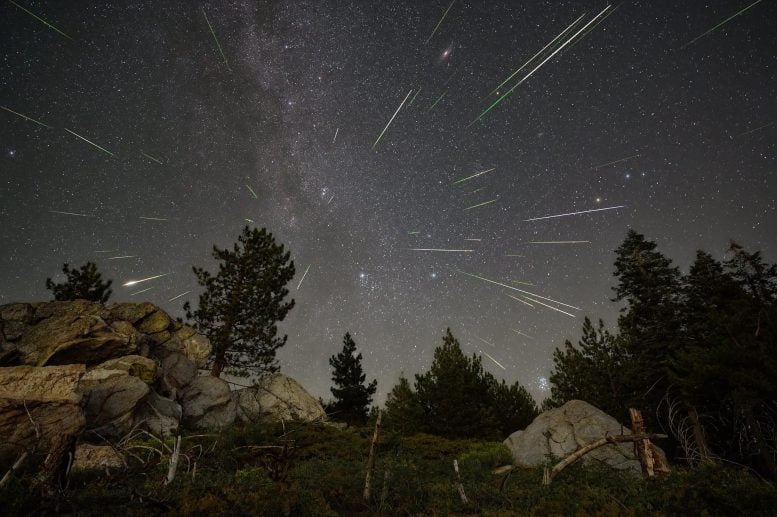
352	396
81	284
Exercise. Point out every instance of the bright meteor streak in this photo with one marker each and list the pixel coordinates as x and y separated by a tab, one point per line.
89	142
519	300
121	257
215	38
439	249
516	289
152	218
178	296
510	91
252	192
721	23
25	117
480	204
548	306
494	360
141	291
438	23
303	276
134	282
473	176
391	119
486	342
574	213
69	213
521	333
151	158
44	22
335	138
561	34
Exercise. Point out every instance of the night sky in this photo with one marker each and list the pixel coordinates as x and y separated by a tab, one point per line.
211	115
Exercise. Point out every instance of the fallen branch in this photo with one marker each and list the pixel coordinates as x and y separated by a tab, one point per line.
174	461
17	464
371	459
549	474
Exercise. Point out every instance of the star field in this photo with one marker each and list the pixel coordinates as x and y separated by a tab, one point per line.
183	135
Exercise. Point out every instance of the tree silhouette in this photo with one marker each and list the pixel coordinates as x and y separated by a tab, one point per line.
81	284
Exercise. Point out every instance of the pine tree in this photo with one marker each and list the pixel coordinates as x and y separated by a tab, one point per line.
83	284
352	396
403	410
514	405
650	323
590	371
242	304
455	396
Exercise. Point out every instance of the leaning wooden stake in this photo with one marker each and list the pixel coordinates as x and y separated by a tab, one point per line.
174	461
371	459
17	464
459	486
642	446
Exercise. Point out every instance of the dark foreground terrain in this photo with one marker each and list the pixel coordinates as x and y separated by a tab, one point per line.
308	469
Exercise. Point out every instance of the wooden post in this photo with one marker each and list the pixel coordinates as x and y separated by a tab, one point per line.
371	459
643	446
459	485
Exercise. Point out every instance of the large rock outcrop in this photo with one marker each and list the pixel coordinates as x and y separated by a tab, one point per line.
279	397
104	370
562	431
38	404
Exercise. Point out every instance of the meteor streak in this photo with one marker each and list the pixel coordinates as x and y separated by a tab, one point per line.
215	39
151	158
548	306
413	233
44	22
511	90
521	333
519	300
252	192
141	291
439	249
303	276
391	119
134	282
152	218
69	213
486	342
438	23
494	360
330	199
250	221
178	296
516	289
336	131
756	129
413	99
615	161
559	242
721	23
473	176
561	34
476	240
25	117
121	257
437	101
574	213
89	142
480	204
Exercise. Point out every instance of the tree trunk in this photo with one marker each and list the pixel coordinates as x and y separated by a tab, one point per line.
698	434
642	446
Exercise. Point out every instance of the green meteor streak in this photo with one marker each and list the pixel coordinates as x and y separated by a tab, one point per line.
413	99
438	23
480	204
252	192
44	22
151	158
106	151
473	176
511	90
215	38
721	23
437	101
561	34
25	117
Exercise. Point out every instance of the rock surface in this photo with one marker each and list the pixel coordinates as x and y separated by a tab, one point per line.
279	397
160	416
97	457
564	430
110	405
207	404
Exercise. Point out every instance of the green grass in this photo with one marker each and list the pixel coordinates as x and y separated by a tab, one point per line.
318	470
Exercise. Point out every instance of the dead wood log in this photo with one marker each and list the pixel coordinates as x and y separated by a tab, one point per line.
459	485
371	459
174	461
16	466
